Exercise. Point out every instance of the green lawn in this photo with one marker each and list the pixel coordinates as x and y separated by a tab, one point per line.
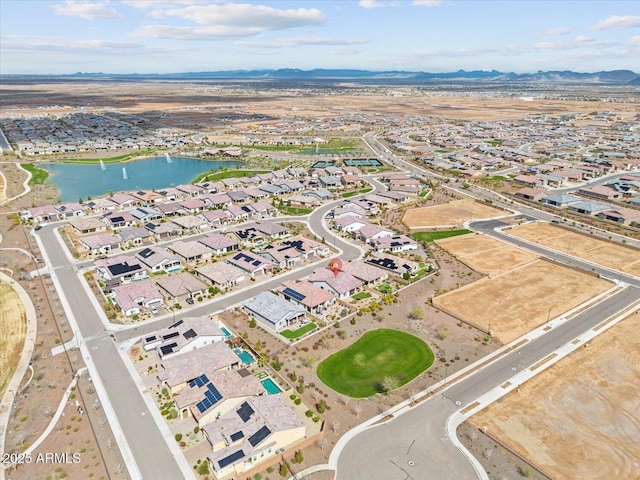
39	175
363	368
355	192
431	236
296	210
118	158
291	334
219	175
360	296
384	288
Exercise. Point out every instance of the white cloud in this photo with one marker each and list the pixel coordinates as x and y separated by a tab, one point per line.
295	42
90	47
635	41
559	31
221	32
346	51
243	15
617	21
86	10
426	3
375	4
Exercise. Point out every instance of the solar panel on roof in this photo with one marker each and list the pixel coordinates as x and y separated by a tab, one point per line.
171	335
177	324
237	436
230	459
146	253
259	436
190	334
256	263
204	379
214	392
168	348
245	411
293	294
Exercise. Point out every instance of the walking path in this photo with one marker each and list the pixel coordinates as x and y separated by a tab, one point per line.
58	414
25	185
25	357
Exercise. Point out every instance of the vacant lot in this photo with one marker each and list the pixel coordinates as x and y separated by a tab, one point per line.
612	255
521	299
485	254
13	325
380	360
580	419
454	213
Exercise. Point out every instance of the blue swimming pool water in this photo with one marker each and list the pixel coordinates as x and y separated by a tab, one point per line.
226	332
270	386
244	356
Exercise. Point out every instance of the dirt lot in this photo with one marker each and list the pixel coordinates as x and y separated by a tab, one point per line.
580	419
485	254
454	213
13	325
605	253
521	299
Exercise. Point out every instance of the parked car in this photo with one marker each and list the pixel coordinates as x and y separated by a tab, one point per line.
190	300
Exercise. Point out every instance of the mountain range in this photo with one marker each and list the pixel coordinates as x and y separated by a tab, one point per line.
614	77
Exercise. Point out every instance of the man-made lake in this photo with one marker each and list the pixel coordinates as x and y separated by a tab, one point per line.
81	181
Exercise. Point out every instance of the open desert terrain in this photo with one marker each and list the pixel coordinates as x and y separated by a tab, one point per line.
608	254
13	325
580	419
452	214
485	254
521	299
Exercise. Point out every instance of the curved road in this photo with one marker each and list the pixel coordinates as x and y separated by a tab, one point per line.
144	447
416	445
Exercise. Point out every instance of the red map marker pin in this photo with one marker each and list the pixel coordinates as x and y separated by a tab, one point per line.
335	266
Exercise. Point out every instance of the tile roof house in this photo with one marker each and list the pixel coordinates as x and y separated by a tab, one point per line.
270	229
369	233
274	312
253	433
120	269
133	236
130	297
181	286
86	225
190	251
219	243
221	274
250	263
213	394
158	259
119	219
395	265
313	298
161	231
395	244
100	243
215	218
365	272
177	371
342	284
307	247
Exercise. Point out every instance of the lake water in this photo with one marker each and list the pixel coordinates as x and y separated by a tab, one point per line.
81	181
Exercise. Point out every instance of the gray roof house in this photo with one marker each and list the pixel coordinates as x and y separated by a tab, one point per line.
274	312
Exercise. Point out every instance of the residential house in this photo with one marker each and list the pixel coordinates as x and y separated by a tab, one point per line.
601	192
70	210
221	274
181	286
395	244
368	274
163	231
560	200
392	264
274	312
177	371
219	244
219	200
369	233
313	298
120	269
117	220
350	224
124	201
190	223
133	236
100	243
341	284
214	218
271	230
158	259
262	209
186	334
194	205
131	297
589	207
213	394
251	434
172	209
146	214
621	215
87	225
282	255
532	194
190	251
251	263
307	247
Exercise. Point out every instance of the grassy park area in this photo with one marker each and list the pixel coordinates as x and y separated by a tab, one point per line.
437	235
39	175
380	361
219	175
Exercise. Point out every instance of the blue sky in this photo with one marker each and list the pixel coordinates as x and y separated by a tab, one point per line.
163	36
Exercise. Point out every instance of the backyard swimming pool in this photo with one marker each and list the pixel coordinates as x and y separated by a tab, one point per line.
244	356
270	386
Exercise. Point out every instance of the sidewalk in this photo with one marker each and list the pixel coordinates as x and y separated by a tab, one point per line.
27	350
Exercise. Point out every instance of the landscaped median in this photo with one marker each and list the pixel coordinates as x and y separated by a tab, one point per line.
380	361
